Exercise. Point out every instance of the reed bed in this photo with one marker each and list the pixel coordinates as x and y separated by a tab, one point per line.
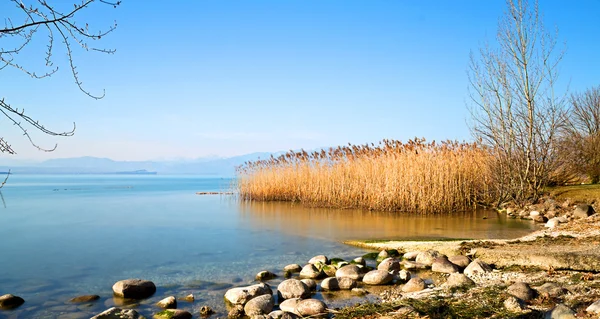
415	176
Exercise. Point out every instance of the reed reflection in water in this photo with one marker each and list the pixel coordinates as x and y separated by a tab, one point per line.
338	225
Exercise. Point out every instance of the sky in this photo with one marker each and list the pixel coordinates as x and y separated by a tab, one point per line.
192	79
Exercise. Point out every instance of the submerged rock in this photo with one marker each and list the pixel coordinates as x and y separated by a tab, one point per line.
117	313
189	298
134	288
9	301
85	298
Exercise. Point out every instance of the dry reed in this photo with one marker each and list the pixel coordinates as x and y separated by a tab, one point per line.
392	176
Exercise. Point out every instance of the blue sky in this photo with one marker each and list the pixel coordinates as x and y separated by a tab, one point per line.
200	78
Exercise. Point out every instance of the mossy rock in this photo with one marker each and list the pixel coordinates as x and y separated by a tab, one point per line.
370	256
319	266
329	270
336	261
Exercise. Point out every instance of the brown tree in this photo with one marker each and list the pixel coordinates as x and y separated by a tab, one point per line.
57	22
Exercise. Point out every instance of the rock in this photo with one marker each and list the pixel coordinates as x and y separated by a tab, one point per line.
310	271
534	213
260	305
167	303
427	257
241	295
550	214
377	277
359	261
350	271
560	311
311	307
414	265
289	305
330	284
359	291
389	264
9	301
456	280
236	312
292	288
562	219
279	314
594	308
383	254
117	313
551	289
265	275
477	267
443	265
173	314
514	304
310	283
411	255
553	222
461	261
540	219
319	259
403	276
292	268
414	284
134	288
85	298
522	291
583	211
346	283
206	311
329	270
189	298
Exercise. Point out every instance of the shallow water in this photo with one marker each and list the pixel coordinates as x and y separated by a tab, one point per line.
63	236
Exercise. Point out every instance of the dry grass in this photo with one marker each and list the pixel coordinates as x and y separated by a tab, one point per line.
578	193
392	176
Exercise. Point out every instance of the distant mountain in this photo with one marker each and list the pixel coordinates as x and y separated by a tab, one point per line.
96	165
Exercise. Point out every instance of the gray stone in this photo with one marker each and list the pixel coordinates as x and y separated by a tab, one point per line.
330	284
310	283
389	264
173	314
311	307
551	289
292	288
265	275
427	257
9	301
134	288
346	283
540	219
443	265
292	268
377	277
411	255
583	211
260	305
360	291
460	260
167	303
562	219
560	311
594	308
522	291
514	304
477	267
319	259
236	312
117	313
85	298
414	265
310	271
241	295
279	314
350	271
534	213
458	280
289	305
413	285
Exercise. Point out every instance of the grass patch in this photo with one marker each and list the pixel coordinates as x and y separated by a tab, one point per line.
578	193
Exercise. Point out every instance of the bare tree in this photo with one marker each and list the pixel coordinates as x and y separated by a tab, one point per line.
59	25
515	110
580	137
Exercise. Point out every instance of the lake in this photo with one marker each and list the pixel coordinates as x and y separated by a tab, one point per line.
66	235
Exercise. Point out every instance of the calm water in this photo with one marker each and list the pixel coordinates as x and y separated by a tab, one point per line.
63	236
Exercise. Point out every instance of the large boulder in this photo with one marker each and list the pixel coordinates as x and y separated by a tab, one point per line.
260	305
167	303
173	314
583	211
477	267
377	277
292	288
241	295
311	307
427	257
350	271
522	291
443	265
134	288
389	265
310	271
9	301
118	313
456	280
322	259
413	285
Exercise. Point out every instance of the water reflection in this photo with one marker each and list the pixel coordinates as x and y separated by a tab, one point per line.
336	224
